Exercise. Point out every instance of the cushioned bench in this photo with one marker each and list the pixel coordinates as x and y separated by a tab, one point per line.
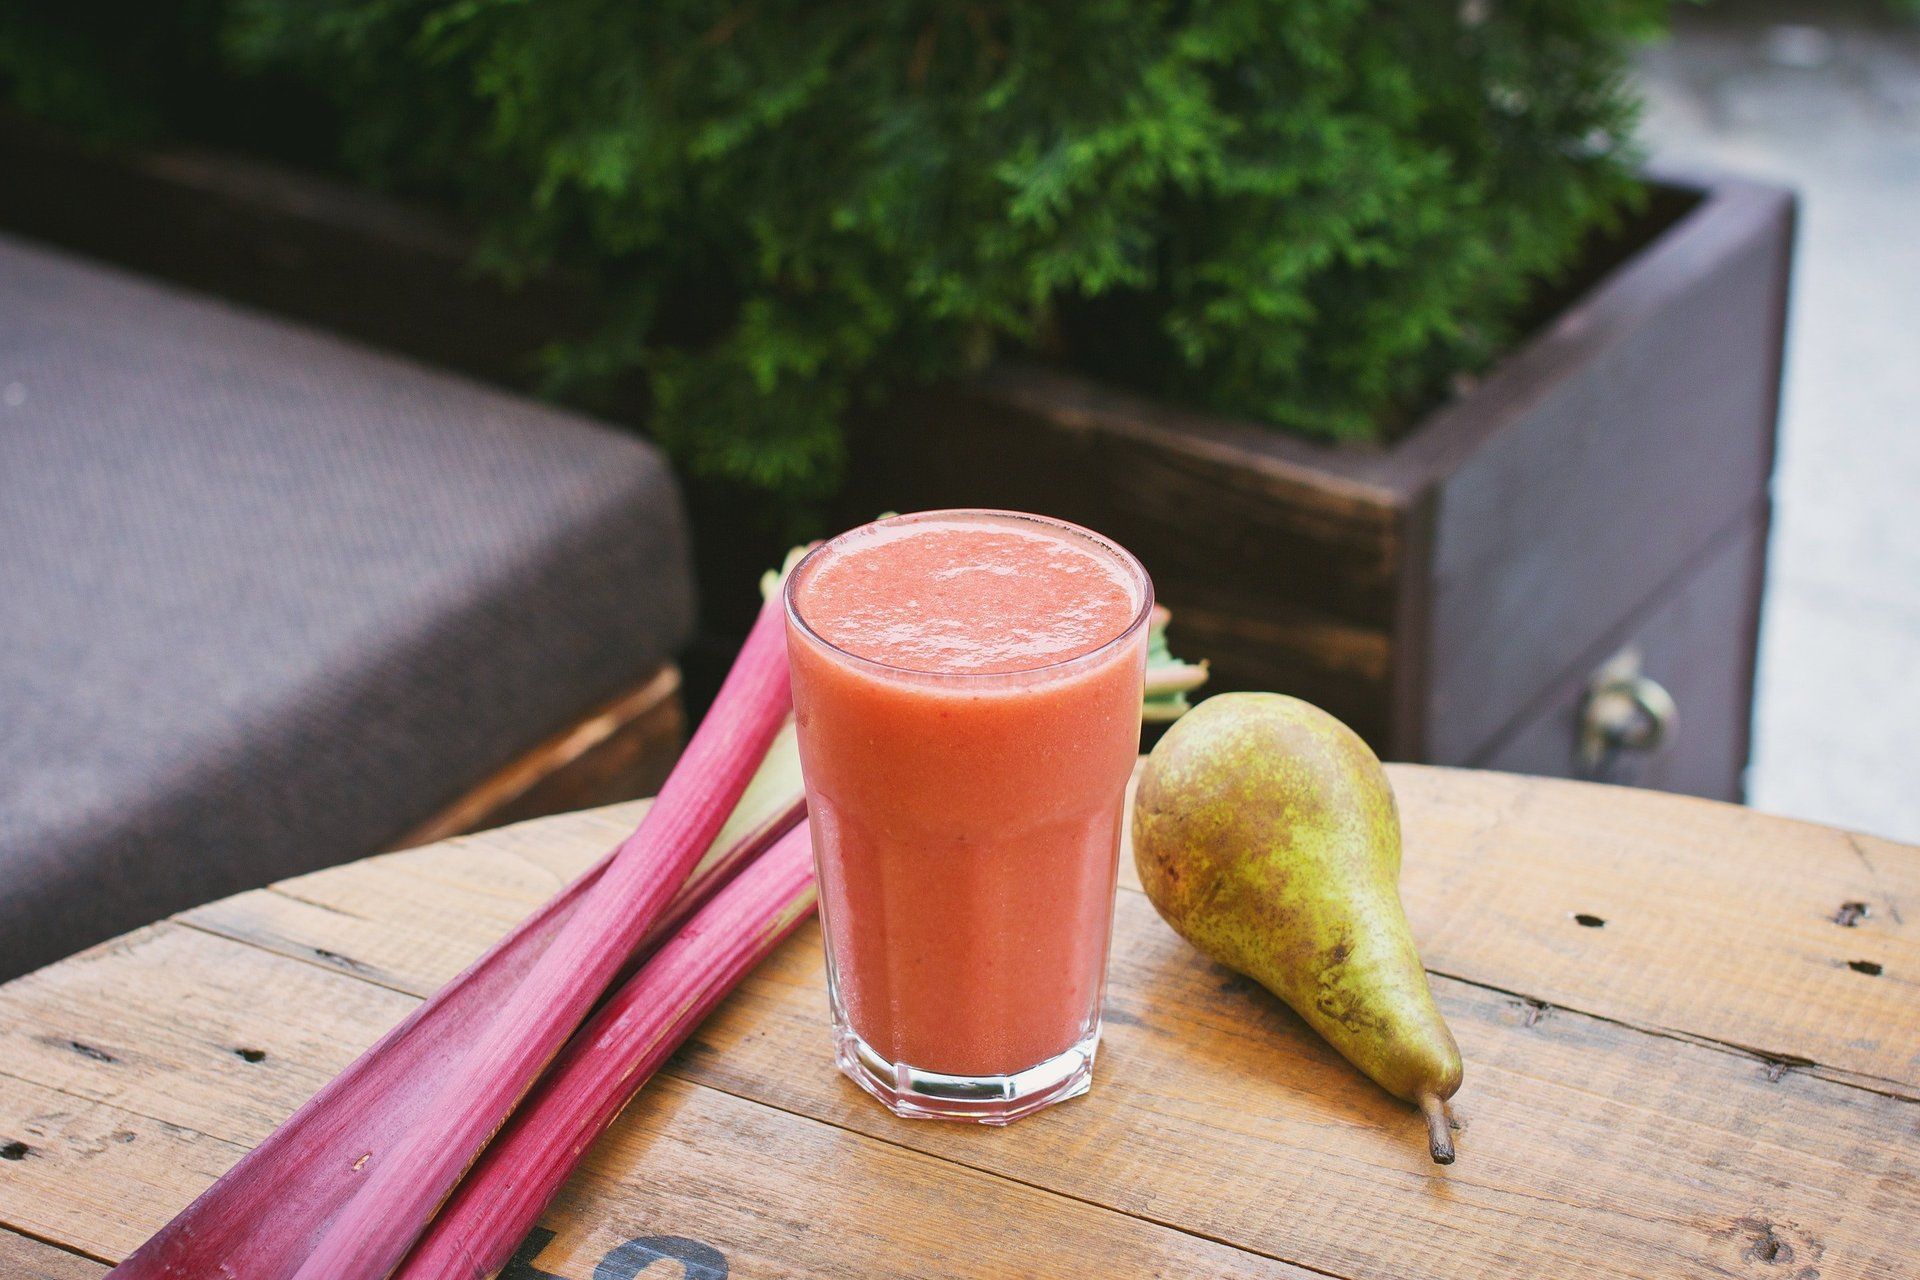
268	600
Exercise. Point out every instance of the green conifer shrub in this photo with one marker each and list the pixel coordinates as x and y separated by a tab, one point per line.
1312	213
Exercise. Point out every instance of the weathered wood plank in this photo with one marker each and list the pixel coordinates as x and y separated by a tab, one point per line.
782	1196
413	920
194	1030
1719	922
1216	1109
94	1177
1660	1108
1222	1075
685	1162
22	1258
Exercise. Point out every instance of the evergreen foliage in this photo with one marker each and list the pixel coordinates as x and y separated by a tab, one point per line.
1312	213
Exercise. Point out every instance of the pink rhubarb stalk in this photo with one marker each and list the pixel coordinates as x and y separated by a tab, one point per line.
368	1238
612	1057
265	1215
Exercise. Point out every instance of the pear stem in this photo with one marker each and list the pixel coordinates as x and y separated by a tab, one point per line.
1439	1128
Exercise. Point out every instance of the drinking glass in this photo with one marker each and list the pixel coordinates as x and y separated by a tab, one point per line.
966	829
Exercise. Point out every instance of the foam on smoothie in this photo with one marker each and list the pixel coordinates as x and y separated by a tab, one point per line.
967	597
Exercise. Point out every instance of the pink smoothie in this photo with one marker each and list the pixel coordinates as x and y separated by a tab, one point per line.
968	693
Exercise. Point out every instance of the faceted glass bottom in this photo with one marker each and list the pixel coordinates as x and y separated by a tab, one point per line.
917	1094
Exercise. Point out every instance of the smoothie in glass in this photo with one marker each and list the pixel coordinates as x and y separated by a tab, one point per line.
967	686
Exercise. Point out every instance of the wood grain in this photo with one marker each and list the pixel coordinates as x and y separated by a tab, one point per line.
22	1258
1698	898
684	1161
782	1196
95	1177
225	1039
1719	922
1216	1109
1614	1119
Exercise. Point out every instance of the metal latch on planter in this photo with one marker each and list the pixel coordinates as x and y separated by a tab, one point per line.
1624	711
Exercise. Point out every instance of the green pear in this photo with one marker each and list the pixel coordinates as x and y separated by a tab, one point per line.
1266	834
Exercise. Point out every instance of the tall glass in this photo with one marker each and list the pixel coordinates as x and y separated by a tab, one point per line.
966	828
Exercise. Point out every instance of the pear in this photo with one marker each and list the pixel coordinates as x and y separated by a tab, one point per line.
1266	834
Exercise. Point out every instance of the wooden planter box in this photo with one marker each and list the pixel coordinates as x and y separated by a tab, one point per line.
1603	489
1601	493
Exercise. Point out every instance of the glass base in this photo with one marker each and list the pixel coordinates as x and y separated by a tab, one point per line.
929	1095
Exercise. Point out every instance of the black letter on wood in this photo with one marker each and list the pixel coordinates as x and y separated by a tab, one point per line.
699	1261
520	1265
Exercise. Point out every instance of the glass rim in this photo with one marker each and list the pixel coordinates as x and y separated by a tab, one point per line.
1126	559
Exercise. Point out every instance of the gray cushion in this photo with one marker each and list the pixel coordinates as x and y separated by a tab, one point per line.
268	599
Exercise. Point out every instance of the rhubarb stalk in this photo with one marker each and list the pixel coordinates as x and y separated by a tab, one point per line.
262	1218
479	1090
611	1058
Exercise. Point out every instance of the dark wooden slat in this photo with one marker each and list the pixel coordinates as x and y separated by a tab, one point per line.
1605	478
1693	641
1267	566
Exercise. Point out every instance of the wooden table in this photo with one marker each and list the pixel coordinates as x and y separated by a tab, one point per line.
1692	1037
